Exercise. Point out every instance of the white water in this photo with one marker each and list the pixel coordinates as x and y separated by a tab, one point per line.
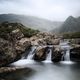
66	49
63	45
31	53
48	59
49	55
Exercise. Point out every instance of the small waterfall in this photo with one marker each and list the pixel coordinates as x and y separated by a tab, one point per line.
67	55
66	50
49	52
49	55
31	53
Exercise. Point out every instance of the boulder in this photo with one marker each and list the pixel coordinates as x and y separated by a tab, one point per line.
75	54
52	41
40	54
42	39
56	55
12	50
22	45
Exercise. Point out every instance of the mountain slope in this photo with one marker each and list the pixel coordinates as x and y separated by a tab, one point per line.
70	25
30	21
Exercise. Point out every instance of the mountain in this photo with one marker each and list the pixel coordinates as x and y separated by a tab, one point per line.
31	21
71	24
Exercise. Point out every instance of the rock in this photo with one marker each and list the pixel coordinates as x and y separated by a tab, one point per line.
40	54
75	54
17	34
12	50
75	41
56	55
38	42
50	41
9	69
22	44
42	39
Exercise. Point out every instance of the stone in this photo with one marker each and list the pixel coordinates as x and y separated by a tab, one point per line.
22	44
11	51
75	54
40	54
17	34
56	55
42	39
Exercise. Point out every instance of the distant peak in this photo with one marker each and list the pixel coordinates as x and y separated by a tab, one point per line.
70	18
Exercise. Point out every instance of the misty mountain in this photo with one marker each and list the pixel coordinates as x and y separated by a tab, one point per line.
31	21
71	24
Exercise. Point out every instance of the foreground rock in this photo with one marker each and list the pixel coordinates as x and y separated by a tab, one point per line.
8	69
41	54
56	55
75	54
12	48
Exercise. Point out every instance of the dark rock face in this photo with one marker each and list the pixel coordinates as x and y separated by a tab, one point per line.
41	53
56	55
75	54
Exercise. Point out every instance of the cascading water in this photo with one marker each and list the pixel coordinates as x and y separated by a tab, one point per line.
66	52
49	52
31	53
49	55
67	55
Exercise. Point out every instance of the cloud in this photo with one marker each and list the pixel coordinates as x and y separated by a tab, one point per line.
48	9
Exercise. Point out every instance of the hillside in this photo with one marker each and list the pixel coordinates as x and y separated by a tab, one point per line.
70	25
31	21
6	28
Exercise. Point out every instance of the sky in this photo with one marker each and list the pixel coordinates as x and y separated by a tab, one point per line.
55	10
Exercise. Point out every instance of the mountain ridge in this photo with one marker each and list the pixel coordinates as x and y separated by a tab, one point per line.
31	21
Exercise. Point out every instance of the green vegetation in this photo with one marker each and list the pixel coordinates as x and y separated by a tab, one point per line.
71	35
6	28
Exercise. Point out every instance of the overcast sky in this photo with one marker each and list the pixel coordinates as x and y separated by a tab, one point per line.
56	10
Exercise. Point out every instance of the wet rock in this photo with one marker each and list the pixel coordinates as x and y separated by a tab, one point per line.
7	69
40	54
75	54
56	55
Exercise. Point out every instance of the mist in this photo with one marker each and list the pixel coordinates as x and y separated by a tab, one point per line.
55	10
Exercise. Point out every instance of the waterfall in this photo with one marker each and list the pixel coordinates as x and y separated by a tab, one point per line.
67	55
31	53
66	50
49	52
49	55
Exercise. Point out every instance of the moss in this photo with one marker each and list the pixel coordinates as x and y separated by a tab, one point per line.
6	28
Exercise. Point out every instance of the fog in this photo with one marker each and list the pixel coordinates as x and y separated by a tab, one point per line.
56	10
